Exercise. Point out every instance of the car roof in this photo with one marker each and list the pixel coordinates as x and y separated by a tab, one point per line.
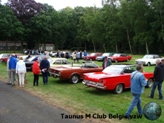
59	58
122	65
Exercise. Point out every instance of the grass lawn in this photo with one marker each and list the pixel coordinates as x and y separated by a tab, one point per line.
80	100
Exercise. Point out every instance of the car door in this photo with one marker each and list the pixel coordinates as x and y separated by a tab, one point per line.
127	74
122	57
154	59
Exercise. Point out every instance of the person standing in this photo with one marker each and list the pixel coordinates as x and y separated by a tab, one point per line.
138	82
107	62
36	72
74	56
77	56
158	79
44	66
21	71
9	72
85	53
12	67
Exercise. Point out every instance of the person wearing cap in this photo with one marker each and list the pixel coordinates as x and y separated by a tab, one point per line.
36	72
12	68
21	71
44	66
106	62
158	79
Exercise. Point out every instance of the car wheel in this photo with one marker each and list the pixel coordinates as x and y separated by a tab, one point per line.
148	64
74	78
127	60
118	89
116	61
150	83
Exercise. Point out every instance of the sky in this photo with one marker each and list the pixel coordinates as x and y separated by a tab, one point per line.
60	4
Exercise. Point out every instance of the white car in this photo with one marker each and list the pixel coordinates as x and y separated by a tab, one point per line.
149	59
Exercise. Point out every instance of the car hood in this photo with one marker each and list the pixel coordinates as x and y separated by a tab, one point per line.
61	68
142	59
96	76
100	56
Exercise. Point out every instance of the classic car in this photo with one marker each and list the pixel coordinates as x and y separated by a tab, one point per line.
92	56
120	57
149	59
4	57
61	62
29	62
74	74
114	77
101	58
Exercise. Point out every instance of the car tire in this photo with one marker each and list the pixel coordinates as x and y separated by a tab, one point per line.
74	79
119	88
150	83
127	60
148	64
116	61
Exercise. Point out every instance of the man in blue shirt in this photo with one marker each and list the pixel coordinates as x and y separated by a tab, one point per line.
138	82
12	67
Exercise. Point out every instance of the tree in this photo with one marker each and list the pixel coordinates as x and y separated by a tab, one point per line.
24	9
10	27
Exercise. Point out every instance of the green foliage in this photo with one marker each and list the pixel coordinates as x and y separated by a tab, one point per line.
133	26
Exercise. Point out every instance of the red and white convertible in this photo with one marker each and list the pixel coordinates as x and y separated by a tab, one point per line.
114	77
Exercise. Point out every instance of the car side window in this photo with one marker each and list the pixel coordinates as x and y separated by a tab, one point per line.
129	69
57	62
65	62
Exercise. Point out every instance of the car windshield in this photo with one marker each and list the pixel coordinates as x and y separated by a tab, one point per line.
92	54
113	70
31	58
148	57
116	55
105	54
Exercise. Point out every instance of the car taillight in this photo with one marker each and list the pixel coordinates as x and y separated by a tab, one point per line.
101	80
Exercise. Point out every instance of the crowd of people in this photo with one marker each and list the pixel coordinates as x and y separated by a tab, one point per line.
17	69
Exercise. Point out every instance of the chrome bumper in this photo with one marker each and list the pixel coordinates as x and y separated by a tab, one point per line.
54	74
94	84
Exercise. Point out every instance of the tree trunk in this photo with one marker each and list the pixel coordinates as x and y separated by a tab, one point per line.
104	47
147	49
94	47
116	48
129	41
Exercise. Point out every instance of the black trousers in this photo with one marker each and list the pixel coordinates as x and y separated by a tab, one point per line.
36	79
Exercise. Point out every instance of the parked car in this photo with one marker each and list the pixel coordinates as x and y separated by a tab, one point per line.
92	56
149	59
4	57
114	77
29	62
58	62
101	58
74	74
120	57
